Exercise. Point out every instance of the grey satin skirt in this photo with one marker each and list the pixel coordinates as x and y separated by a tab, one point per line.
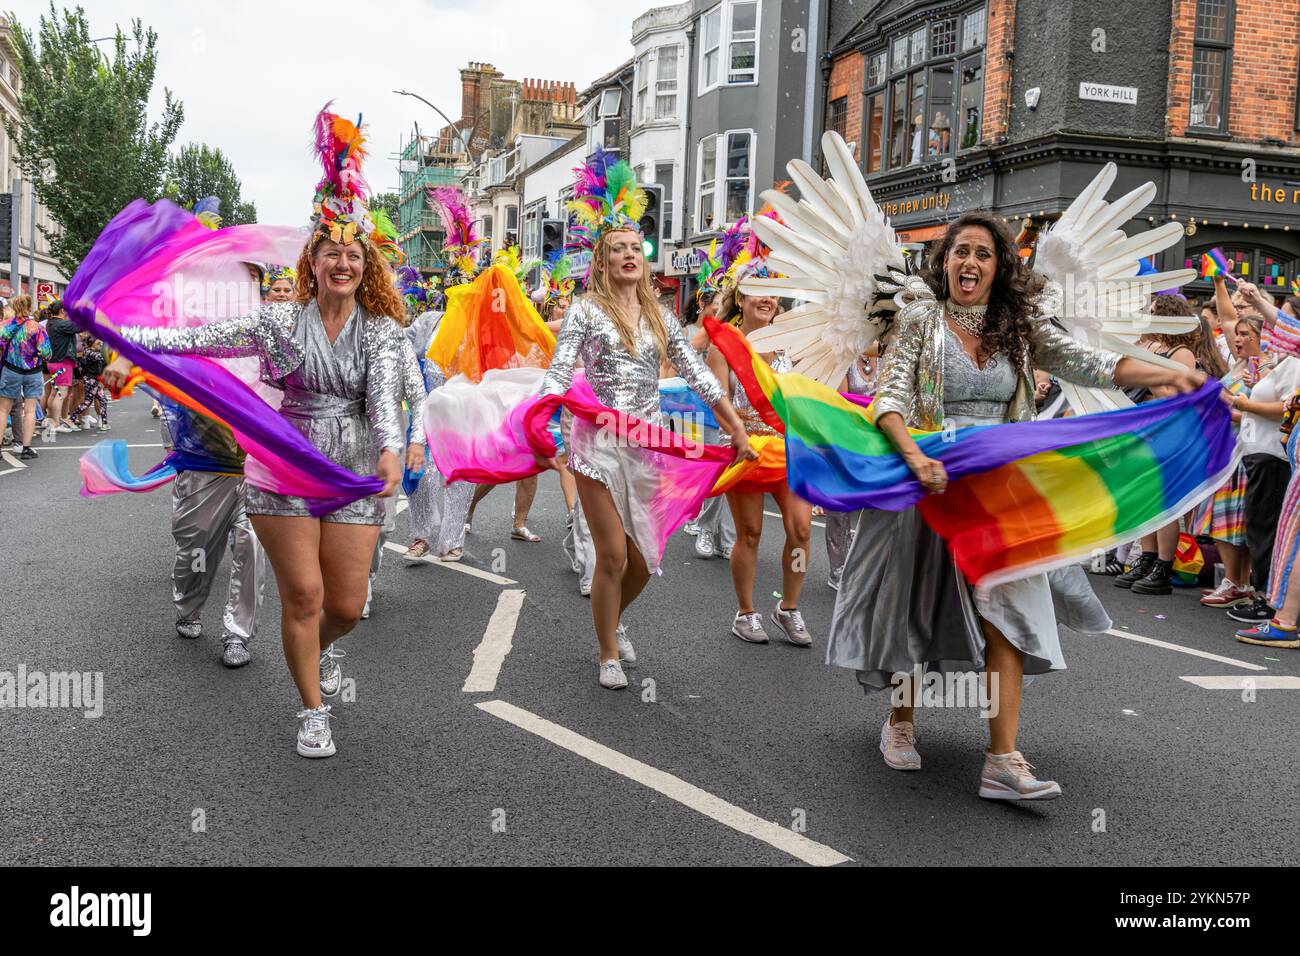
902	602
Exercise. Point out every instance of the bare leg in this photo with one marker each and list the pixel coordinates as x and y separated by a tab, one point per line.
1003	663
1166	541
568	486
747	512
480	492
525	492
29	420
293	547
345	553
1236	562
796	515
621	571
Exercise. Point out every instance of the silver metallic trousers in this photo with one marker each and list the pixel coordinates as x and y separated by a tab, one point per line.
839	535
580	548
439	510
208	517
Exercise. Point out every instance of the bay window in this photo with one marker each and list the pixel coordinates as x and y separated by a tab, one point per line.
666	82
924	91
725	180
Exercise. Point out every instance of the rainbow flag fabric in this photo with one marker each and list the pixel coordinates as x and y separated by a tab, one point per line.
1023	497
1215	263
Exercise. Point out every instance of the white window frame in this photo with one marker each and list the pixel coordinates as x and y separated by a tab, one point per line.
668	208
643	94
729	40
703	82
658	81
700	211
719	178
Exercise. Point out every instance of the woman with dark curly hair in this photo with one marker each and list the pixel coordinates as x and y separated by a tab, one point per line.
967	360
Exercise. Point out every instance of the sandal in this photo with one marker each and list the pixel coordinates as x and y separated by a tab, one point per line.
523	534
454	554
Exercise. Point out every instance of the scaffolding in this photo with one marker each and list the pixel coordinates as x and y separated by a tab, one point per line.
420	233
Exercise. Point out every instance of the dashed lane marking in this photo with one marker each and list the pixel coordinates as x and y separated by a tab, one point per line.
777	514
675	788
1230	682
1246	665
497	641
455	566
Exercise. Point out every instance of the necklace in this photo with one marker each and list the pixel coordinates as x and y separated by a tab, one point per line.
968	318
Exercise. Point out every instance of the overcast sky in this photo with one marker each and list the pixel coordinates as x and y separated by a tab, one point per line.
252	75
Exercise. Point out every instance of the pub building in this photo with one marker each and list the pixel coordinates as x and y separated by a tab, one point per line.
1013	106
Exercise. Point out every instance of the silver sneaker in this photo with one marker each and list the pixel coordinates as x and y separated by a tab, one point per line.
314	737
235	653
726	553
691	528
1010	777
190	630
749	627
705	546
898	744
791	625
612	676
626	653
331	675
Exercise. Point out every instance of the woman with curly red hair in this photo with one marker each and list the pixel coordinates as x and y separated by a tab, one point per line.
338	353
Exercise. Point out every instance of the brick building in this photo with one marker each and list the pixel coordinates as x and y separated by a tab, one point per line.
1013	105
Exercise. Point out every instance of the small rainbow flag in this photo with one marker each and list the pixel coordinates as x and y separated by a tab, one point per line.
1215	263
1023	497
1295	286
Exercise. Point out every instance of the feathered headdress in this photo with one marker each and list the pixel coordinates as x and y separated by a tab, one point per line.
509	257
557	278
606	196
460	248
208	211
339	207
274	274
417	291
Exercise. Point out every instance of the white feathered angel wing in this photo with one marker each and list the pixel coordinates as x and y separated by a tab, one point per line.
1094	289
830	247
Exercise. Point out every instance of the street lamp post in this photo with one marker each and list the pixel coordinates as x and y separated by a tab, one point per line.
459	133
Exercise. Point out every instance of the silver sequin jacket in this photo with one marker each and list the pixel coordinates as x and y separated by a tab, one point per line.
911	374
624	382
268	334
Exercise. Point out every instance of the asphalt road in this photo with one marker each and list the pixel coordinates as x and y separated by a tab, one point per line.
721	753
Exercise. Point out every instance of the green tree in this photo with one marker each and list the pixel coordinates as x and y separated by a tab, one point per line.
198	170
388	203
83	134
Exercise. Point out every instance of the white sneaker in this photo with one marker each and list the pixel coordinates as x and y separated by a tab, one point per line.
331	675
314	737
584	588
626	653
898	744
1010	777
749	628
790	623
365	611
612	676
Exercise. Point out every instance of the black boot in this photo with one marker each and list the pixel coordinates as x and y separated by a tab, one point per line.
1138	571
1158	581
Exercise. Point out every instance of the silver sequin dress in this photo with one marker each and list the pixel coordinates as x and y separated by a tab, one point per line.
629	384
902	601
345	397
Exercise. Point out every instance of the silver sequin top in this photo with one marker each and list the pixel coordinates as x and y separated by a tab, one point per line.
912	372
974	393
371	371
624	382
753	422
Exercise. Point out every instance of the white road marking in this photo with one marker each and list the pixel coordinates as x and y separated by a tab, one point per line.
13	461
777	514
1270	682
45	448
497	641
689	795
454	566
1186	650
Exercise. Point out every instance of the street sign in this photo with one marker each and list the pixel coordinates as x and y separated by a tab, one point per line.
1104	93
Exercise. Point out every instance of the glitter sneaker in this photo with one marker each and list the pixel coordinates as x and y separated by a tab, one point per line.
314	737
190	630
705	545
898	744
235	653
331	675
1010	777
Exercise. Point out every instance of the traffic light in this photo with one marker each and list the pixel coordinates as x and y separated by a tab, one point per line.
652	222
552	236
